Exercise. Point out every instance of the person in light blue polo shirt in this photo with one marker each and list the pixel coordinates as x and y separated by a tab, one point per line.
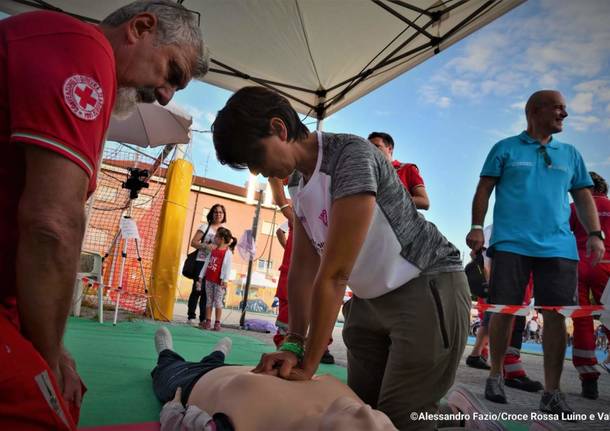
533	174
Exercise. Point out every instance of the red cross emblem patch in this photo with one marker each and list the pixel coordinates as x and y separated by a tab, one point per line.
84	97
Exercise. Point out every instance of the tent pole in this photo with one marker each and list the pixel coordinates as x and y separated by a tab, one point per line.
320	111
244	305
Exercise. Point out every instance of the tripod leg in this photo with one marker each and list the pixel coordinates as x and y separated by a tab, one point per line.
116	308
116	244
100	292
100	301
120	286
148	297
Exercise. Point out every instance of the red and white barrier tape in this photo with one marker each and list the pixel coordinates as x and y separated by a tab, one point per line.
515	310
524	310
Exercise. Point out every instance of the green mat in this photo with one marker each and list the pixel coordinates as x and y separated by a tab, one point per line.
115	364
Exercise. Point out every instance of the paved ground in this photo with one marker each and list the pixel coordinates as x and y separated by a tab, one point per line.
519	402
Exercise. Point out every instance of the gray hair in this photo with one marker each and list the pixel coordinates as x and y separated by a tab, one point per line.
176	26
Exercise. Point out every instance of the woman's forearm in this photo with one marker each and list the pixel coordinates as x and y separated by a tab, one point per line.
300	287
304	264
327	296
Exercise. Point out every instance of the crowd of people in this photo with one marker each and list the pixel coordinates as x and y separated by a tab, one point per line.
353	219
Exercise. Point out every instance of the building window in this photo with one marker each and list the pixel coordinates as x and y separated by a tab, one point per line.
106	194
269	228
265	264
97	238
143	201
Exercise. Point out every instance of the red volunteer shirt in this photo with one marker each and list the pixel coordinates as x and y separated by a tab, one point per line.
212	274
408	174
285	266
57	90
603	209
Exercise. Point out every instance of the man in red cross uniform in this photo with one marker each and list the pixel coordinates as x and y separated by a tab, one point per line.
59	83
408	173
591	283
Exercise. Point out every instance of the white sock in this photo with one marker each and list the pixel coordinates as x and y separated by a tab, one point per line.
163	340
223	345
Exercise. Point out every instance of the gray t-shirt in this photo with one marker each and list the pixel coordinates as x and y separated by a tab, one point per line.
400	243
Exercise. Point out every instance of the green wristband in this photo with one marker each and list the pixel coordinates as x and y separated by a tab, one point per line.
295	348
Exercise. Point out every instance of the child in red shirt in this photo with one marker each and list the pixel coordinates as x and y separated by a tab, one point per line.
216	271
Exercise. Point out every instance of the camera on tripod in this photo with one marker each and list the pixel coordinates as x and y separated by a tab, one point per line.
136	181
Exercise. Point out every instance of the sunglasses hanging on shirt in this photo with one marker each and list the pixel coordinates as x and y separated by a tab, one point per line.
545	156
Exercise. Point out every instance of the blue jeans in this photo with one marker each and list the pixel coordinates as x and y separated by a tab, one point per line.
172	371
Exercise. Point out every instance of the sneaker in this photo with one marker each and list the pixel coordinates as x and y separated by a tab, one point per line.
524	383
555	402
589	389
217	325
327	358
494	390
163	340
477	362
223	345
192	322
206	324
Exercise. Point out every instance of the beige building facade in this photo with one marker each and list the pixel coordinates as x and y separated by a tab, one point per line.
240	205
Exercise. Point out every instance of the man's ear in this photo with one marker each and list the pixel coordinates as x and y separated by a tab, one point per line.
141	25
278	128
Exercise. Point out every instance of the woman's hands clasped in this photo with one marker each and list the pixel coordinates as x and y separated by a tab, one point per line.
283	364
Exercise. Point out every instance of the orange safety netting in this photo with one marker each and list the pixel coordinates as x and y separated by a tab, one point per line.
103	237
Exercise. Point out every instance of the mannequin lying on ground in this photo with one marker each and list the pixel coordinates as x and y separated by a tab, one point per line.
223	397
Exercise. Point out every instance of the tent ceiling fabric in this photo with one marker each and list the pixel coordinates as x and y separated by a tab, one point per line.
322	54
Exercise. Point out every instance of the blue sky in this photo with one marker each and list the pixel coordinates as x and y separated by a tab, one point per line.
447	113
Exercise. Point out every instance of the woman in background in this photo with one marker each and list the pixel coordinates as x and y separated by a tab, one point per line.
203	241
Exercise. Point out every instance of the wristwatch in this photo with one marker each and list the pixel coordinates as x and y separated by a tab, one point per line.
598	233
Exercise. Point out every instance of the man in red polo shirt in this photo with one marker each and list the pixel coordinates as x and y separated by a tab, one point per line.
407	172
591	283
58	88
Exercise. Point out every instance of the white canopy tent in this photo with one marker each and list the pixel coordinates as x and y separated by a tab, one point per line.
321	54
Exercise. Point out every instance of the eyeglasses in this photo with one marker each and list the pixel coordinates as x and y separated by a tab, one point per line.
545	156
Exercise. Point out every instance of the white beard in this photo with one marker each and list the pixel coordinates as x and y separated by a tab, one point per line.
125	103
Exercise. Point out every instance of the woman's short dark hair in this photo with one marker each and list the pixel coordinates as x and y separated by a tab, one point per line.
245	119
600	186
386	138
210	216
